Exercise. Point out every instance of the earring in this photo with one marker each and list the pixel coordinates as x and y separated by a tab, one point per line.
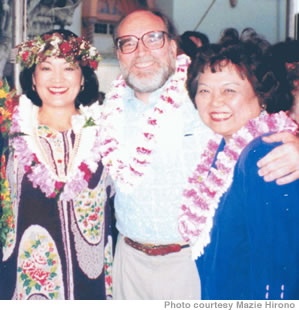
82	88
33	87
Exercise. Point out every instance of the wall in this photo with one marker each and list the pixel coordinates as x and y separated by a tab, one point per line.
267	17
166	6
76	25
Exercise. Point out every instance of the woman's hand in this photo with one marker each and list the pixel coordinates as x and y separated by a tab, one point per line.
282	163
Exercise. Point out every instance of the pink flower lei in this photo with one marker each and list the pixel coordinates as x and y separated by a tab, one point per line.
208	184
129	173
38	172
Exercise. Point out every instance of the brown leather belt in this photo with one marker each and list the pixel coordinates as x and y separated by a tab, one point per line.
155	250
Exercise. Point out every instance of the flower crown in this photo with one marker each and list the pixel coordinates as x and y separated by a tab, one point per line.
74	50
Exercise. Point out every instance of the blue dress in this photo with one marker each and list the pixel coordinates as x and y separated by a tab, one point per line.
254	249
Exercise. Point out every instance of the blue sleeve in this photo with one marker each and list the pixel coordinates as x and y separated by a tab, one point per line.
271	216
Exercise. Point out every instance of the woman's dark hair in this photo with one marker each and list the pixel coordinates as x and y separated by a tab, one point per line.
170	28
247	53
188	46
87	96
283	57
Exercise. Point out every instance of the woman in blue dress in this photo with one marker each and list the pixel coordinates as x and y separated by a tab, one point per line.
243	231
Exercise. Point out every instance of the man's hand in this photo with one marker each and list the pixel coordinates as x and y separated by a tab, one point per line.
282	163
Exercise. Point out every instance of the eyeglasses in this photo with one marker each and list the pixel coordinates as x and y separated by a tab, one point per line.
152	40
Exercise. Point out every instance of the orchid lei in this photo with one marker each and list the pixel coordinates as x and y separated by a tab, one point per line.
38	171
128	173
208	184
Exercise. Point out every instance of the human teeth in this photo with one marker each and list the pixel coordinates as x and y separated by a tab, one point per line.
220	115
143	64
58	89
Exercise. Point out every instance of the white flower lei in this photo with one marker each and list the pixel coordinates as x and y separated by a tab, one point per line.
128	174
208	184
29	154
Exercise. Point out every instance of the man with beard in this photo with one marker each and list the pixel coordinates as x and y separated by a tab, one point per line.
151	138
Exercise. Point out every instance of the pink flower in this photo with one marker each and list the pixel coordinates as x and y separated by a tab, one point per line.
49	286
58	185
87	173
40	259
109	280
40	275
28	265
73	188
152	121
93	217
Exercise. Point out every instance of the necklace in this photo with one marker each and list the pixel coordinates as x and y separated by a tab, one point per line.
129	172
31	155
207	184
45	157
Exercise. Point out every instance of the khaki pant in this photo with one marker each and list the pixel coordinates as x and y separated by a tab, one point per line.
139	276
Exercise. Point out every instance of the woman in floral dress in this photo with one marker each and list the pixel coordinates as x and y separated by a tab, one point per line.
56	231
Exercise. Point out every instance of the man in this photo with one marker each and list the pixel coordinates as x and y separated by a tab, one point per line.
152	137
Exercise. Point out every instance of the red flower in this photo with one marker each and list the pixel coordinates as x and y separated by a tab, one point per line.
93	64
40	276
53	195
93	217
25	56
58	185
28	169
35	159
65	47
109	280
87	173
47	36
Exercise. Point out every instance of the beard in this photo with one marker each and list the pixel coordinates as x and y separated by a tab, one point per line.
149	81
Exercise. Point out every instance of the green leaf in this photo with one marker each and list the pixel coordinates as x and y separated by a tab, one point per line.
36	244
53	275
28	290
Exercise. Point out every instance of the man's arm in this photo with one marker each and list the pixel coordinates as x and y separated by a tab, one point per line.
282	163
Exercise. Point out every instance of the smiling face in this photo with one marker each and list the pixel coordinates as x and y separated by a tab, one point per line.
57	82
225	100
146	70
